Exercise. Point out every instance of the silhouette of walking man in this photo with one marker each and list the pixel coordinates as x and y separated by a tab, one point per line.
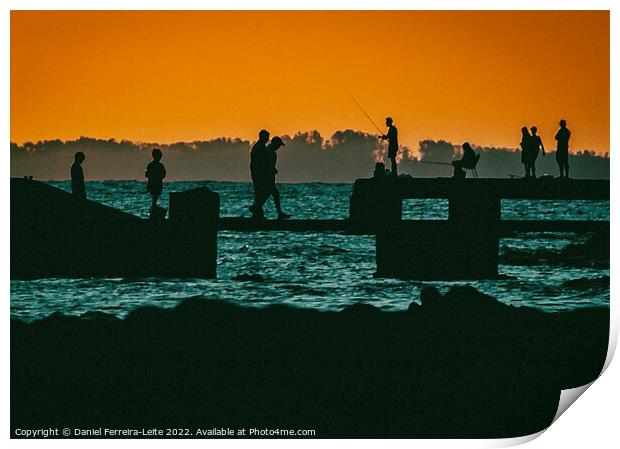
535	146
525	150
271	189
392	138
78	189
561	153
258	170
155	173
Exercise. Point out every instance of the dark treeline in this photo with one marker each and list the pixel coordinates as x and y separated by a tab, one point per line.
307	156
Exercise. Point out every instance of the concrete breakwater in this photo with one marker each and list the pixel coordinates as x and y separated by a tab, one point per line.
52	236
458	365
466	245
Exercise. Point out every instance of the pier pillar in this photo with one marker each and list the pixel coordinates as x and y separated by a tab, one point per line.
474	216
466	246
199	206
375	204
194	216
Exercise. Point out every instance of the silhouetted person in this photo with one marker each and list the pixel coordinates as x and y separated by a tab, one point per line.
526	137
271	189
258	171
392	138
561	153
469	160
379	170
155	173
78	189
535	146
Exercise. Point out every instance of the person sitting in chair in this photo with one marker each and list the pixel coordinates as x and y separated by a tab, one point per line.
468	161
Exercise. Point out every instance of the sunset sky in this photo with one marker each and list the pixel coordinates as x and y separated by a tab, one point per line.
181	76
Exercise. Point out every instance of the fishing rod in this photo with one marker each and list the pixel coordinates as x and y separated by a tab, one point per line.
361	108
436	162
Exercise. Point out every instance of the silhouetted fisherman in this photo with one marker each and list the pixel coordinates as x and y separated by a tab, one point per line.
258	170
78	189
469	160
155	173
271	189
392	138
535	146
526	137
561	153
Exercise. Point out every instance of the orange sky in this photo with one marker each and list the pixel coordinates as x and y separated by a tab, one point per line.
171	76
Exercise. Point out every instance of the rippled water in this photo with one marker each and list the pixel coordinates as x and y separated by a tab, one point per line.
326	271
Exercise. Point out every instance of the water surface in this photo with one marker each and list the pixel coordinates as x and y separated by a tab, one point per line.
326	271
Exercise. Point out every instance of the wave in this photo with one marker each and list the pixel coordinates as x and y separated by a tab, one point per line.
584	283
594	253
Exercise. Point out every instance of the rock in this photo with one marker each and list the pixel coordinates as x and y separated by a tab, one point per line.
93	315
357	373
361	309
429	296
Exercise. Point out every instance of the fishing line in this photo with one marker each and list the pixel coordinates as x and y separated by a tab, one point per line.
436	162
361	108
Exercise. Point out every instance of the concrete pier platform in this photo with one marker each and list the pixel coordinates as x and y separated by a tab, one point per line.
52	236
519	188
465	246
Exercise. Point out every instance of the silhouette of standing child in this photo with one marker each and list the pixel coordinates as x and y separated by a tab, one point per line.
155	173
78	188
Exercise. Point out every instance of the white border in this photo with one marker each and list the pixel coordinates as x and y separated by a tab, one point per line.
592	422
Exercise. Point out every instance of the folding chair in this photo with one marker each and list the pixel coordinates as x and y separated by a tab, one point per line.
472	168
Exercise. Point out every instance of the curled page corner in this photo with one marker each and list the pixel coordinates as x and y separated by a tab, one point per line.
612	344
568	397
516	441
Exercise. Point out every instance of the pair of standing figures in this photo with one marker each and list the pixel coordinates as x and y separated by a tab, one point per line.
531	145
